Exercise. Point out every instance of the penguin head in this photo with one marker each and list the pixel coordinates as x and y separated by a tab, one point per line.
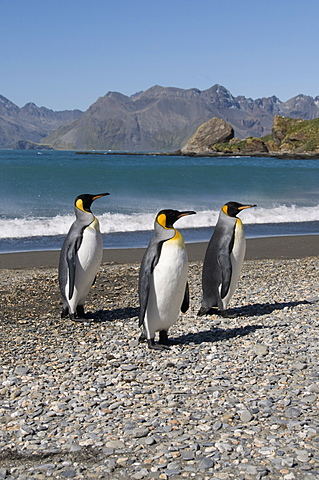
83	202
167	218
233	208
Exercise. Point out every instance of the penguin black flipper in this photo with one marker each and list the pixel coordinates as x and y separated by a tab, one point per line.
226	272
185	304
224	262
71	269
217	269
148	264
74	243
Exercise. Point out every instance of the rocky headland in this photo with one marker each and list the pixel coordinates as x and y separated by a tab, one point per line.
28	145
289	138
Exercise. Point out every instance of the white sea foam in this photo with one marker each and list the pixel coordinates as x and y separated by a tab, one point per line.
117	222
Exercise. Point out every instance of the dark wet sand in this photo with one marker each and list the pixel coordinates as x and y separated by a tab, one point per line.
286	247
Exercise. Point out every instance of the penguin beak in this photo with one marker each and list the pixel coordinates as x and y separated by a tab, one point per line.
183	214
99	195
246	206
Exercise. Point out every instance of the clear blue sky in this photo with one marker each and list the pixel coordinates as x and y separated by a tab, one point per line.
64	54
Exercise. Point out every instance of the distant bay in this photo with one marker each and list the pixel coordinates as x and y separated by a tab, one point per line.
38	191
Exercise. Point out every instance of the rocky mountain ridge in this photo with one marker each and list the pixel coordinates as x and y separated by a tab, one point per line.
160	119
164	119
29	122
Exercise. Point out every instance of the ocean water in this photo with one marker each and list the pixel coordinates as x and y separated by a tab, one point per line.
38	191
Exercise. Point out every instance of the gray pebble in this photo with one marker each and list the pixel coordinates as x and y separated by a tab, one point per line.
206	463
68	474
188	455
21	370
299	365
149	440
246	416
293	412
3	472
288	461
314	387
116	444
140	432
217	426
128	368
261	350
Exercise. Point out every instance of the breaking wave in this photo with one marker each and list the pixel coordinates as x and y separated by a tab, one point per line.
118	222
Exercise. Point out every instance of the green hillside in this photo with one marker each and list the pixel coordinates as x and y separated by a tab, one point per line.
289	136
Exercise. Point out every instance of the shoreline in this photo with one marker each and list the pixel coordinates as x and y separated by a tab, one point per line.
178	153
281	247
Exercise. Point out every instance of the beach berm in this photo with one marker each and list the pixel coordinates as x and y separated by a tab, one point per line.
232	398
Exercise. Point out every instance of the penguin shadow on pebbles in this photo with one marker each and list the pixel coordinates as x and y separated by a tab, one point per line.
216	334
112	298
100	316
254	309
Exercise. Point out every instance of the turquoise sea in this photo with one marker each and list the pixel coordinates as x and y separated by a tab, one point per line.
38	191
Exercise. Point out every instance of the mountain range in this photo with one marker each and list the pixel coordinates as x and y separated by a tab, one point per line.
29	122
159	119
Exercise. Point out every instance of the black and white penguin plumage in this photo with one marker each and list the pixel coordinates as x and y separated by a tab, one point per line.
80	257
223	259
163	287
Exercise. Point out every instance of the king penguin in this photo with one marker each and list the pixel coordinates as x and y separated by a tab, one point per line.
163	287
223	259
80	257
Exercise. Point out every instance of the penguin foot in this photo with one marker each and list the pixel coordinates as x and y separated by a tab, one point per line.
75	318
80	320
80	311
156	346
206	311
163	337
164	340
65	312
79	315
142	338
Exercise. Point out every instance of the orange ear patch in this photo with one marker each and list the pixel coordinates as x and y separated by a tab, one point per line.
161	219
79	204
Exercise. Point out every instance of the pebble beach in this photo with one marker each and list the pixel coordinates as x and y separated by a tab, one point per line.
233	398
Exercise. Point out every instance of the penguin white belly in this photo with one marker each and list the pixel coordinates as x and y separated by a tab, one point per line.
167	288
237	257
87	262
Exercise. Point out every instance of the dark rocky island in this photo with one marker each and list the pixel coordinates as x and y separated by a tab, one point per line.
289	138
210	133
